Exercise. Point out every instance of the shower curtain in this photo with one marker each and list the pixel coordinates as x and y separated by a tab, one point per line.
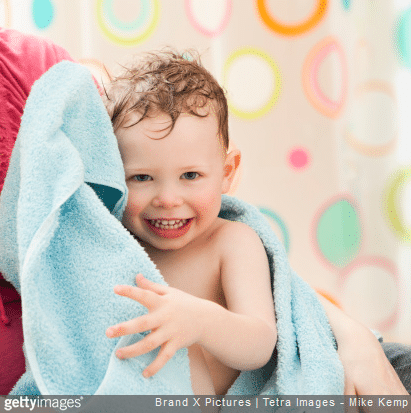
317	92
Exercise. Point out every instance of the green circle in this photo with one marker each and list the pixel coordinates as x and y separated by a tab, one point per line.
403	37
339	233
43	13
346	4
284	231
127	26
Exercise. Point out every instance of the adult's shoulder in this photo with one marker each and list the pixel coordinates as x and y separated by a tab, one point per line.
26	57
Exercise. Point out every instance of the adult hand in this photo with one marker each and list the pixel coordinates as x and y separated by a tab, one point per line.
367	370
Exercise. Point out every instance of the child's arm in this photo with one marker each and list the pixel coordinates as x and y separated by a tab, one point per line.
366	368
242	336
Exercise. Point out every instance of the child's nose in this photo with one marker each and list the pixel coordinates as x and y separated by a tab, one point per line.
167	198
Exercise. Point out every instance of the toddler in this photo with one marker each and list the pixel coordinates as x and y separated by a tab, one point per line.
170	117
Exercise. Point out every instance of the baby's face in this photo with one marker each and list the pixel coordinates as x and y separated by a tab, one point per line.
175	182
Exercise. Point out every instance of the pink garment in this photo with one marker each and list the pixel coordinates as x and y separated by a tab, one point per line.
23	59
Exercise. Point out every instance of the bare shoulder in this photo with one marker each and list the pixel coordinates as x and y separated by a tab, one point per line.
245	271
232	236
229	229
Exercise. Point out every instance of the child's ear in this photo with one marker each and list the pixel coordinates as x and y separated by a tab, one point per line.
231	164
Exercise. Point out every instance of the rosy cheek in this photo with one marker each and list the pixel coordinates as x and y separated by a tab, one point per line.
208	203
132	209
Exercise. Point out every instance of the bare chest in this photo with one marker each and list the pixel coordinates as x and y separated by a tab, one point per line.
199	275
196	273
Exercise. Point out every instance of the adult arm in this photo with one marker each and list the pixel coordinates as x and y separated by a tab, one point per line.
367	369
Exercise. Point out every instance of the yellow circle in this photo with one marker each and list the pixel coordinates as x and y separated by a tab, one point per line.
249	115
125	41
392	207
292	29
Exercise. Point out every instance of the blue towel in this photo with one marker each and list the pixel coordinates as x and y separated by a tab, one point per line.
63	247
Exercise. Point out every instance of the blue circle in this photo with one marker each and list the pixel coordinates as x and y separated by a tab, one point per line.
403	38
43	13
272	215
127	26
346	4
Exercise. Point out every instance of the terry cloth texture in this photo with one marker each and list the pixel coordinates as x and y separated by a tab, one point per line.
23	59
63	247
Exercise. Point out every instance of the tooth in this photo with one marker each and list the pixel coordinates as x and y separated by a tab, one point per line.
171	222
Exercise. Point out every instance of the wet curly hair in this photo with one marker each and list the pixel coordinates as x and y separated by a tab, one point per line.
168	82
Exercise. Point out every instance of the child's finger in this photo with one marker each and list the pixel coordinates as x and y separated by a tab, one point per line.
143	282
147	344
166	353
145	297
137	325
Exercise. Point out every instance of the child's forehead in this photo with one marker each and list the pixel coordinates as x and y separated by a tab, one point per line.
159	124
190	134
209	108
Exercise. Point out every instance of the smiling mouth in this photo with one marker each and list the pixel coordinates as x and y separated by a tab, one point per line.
173	228
168	224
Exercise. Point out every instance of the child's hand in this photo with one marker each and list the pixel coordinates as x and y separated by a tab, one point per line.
174	317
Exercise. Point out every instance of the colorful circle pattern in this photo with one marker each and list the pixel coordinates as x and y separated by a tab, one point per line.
203	28
337	232
43	13
128	33
280	223
346	4
392	204
403	37
374	265
5	10
354	141
292	29
315	95
299	158
266	59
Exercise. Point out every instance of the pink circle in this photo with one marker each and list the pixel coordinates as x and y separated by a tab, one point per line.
387	265
204	30
311	86
299	158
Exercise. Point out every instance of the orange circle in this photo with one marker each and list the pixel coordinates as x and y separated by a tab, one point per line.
292	29
329	297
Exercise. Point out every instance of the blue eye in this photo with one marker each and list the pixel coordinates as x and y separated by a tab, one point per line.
190	175
142	178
